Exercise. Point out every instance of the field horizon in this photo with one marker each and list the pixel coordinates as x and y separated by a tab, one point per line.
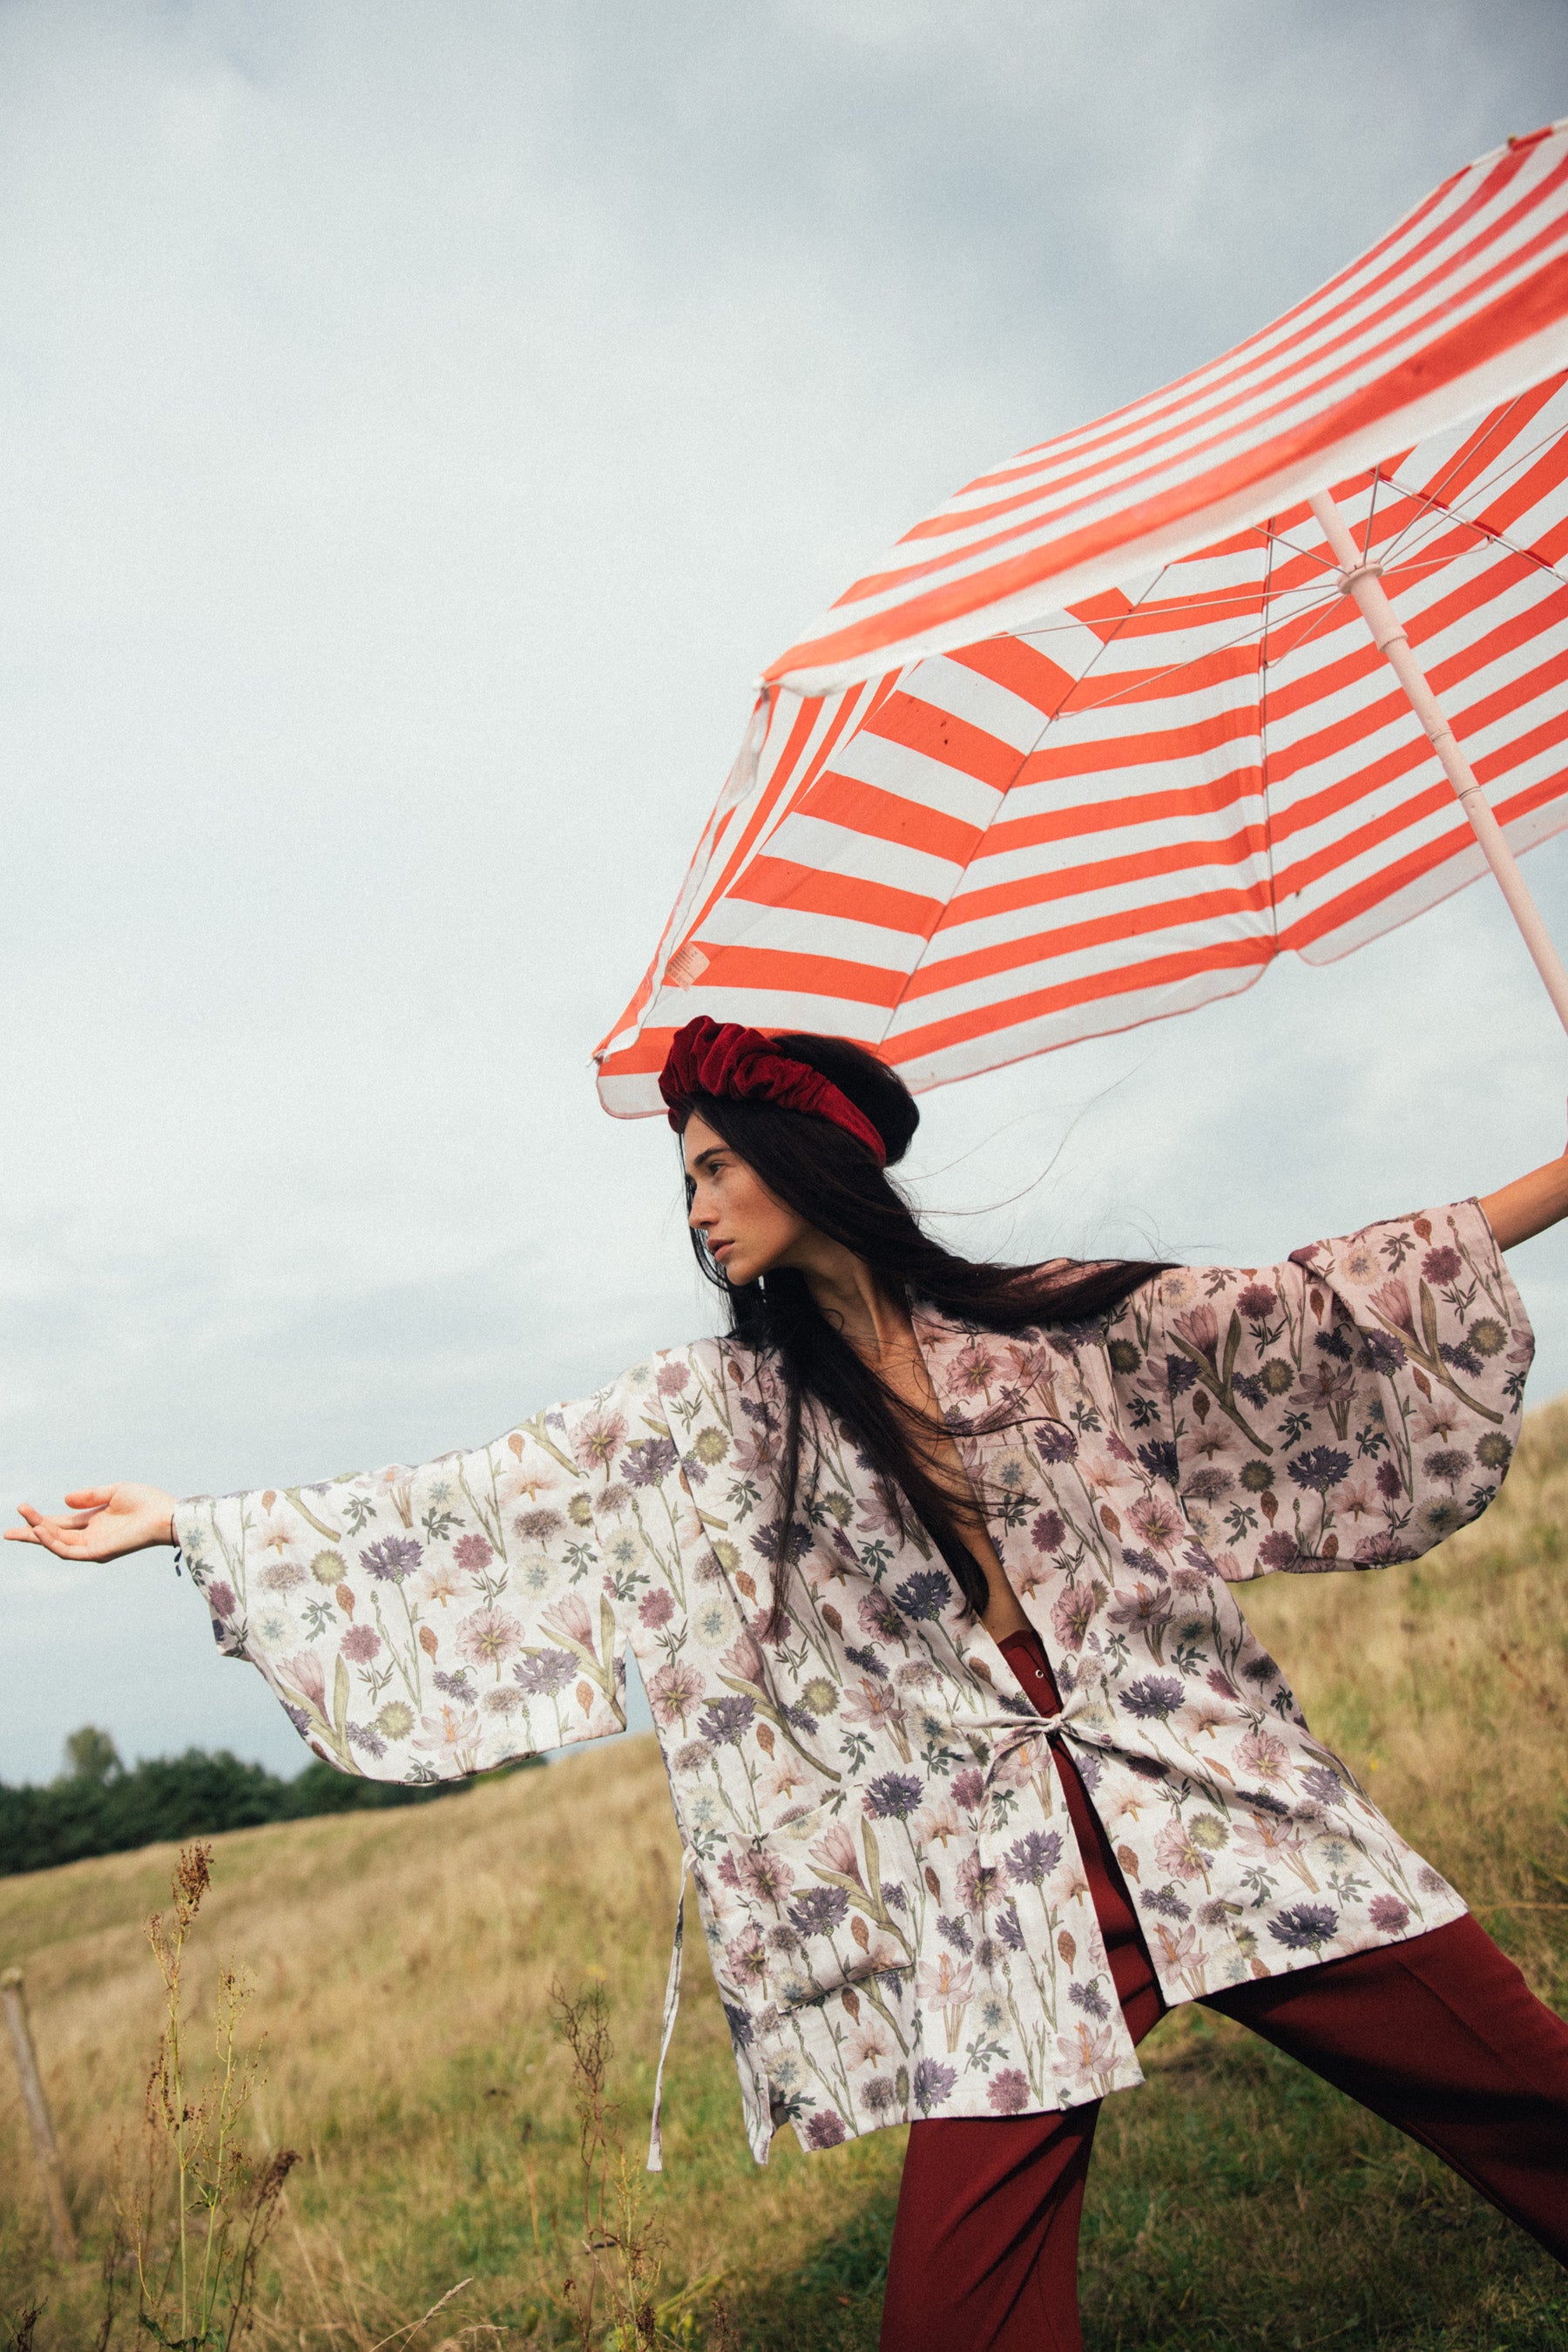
402	1965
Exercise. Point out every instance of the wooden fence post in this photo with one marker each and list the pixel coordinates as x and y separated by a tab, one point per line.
33	2099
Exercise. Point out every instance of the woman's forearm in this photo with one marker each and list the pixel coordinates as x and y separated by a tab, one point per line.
1528	1205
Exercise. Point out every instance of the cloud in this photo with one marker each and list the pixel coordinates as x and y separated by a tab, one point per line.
422	422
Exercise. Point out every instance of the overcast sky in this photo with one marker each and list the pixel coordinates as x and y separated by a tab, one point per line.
418	424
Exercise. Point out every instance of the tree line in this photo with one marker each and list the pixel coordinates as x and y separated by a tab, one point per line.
100	1805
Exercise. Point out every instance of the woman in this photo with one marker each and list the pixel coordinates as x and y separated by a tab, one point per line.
925	1568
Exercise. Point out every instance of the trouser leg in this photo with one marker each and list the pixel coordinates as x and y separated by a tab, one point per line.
1442	2036
985	2252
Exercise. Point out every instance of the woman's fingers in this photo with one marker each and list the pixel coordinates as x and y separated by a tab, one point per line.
56	1534
38	1530
102	1522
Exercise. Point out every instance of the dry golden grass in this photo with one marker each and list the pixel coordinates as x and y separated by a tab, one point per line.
403	1965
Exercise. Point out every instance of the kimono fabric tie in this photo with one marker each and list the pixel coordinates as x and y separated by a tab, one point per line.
711	1057
1016	1732
671	2011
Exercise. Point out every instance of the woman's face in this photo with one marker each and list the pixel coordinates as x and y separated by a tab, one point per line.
746	1230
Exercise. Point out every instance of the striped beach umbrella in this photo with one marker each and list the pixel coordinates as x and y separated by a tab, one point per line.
1265	663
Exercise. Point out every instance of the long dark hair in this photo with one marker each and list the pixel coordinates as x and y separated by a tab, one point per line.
826	1177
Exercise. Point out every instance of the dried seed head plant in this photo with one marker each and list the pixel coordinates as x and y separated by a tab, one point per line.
205	2206
611	2297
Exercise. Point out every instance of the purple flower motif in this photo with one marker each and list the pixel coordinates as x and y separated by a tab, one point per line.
1049	1531
924	1596
369	1743
955	1933
538	1526
1033	1858
932	2083
867	1660
222	1601
739	2026
1179	1374
543	1674
1278	1550
473	1554
1256	1302
879	1618
1159	1458
820	1912
1305	1926
892	1797
658	1608
1324	1785
1145	1563
824	2129
1166	1902
1381	1352
1154	1699
456	1685
1322	1468
726	1721
1447	1463
1009	1926
1442	1265
1008	2092
360	1644
392	1558
1390	1485
648	1459
879	2095
1388	1914
769	1541
1053	1442
1090	1999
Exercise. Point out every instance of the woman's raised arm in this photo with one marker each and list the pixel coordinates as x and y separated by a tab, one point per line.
100	1522
1527	1206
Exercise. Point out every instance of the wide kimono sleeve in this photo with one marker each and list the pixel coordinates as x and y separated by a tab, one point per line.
420	1624
1351	1407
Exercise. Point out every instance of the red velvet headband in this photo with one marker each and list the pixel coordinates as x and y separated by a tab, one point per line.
710	1058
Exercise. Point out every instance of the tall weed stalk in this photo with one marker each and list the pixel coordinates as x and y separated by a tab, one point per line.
611	2297
206	2206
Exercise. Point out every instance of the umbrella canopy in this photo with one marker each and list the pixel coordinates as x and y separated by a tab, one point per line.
1109	732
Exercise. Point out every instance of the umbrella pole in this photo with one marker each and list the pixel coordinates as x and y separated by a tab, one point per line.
1363	581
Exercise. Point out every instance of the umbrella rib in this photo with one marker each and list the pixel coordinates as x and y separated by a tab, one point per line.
1483	530
1371	513
1435	488
1263	737
1325	599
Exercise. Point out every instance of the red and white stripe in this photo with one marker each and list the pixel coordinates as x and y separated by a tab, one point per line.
1059	822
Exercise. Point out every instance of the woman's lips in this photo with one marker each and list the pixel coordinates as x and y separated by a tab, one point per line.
717	1249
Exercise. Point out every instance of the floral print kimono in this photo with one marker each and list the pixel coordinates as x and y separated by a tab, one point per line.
895	1905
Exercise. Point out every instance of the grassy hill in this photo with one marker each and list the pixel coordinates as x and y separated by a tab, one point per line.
403	1965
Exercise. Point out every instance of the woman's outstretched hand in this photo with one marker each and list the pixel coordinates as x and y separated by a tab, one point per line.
100	1522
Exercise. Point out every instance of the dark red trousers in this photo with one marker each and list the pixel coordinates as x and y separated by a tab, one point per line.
1441	2035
